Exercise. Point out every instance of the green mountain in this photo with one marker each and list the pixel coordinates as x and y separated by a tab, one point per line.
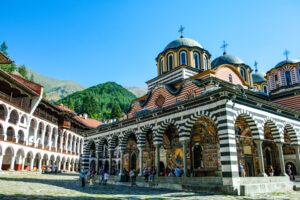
53	88
104	101
137	91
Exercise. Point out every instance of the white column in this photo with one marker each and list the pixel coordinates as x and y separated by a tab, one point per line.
121	162
1	159
35	135
61	143
31	164
66	145
281	159
71	143
12	164
23	163
40	165
59	165
43	137
141	161
260	158
297	160
157	159
110	161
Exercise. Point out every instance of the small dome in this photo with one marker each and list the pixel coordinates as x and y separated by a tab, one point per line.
226	59
182	42
287	61
258	77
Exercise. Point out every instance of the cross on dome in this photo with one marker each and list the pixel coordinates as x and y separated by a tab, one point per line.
181	29
224	45
286	53
255	65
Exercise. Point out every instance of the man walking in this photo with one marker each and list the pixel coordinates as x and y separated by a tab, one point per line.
82	176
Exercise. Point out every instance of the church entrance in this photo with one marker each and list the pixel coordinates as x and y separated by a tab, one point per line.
133	162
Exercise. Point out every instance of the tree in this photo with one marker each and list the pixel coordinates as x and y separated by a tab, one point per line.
71	104
90	105
3	48
116	112
31	78
23	71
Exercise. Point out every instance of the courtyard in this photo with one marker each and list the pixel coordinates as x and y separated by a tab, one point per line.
19	185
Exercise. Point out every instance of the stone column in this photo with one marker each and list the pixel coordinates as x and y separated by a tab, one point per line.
281	159
260	158
59	165
297	160
1	159
23	163
12	164
184	146
121	162
69	165
31	164
141	149
97	163
157	159
110	161
40	165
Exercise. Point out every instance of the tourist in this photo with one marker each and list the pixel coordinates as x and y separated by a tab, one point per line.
178	172
88	174
131	175
102	177
146	174
106	176
171	173
241	170
82	176
151	176
271	171
289	172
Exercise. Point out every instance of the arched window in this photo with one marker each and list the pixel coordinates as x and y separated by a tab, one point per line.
183	59
243	73
170	62
196	60
205	64
288	78
230	78
299	75
161	66
265	89
276	81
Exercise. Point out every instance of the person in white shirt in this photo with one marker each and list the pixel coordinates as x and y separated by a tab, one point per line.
106	176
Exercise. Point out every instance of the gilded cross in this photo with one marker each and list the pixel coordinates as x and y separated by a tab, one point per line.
181	29
255	65
286	53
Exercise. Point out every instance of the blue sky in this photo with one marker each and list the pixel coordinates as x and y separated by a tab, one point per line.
92	42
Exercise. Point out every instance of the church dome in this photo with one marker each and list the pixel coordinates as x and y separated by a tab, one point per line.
258	77
286	61
226	59
182	42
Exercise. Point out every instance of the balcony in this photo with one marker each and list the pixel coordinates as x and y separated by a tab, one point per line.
14	101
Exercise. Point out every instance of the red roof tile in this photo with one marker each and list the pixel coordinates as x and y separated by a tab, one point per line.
89	122
31	85
61	106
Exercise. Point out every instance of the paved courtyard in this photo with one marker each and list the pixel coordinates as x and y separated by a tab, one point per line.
67	186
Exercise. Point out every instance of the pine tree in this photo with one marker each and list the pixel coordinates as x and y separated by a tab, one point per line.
3	48
116	112
71	104
23	71
31	78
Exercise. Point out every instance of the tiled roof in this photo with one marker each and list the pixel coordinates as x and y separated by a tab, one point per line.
61	106
89	122
4	59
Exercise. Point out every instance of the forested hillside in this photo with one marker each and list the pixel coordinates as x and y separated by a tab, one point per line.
104	101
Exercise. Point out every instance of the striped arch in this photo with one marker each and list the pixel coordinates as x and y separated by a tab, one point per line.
112	141
86	152
101	143
292	133
274	129
141	139
185	131
158	135
125	136
257	132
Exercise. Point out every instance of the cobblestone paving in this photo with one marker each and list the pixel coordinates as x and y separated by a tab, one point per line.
68	186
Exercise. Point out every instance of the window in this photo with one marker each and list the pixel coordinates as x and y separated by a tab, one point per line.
299	75
161	66
205	64
243	73
288	78
160	101
170	62
230	78
196	60
265	89
183	60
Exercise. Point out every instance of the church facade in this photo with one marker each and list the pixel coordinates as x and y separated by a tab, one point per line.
209	118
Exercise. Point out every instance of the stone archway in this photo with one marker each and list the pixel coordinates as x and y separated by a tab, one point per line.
8	162
29	161
20	156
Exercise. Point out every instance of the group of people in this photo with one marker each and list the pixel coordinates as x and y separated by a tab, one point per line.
89	175
149	174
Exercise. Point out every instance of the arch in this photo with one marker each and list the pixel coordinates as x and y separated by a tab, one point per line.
113	142
274	131
9	153
47	135
10	134
243	73
170	61
183	58
19	159
21	137
162	128
13	117
248	117
142	136
32	127
3	112
288	78
1	132
39	136
161	66
24	119
124	138
205	62
293	136
196	57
